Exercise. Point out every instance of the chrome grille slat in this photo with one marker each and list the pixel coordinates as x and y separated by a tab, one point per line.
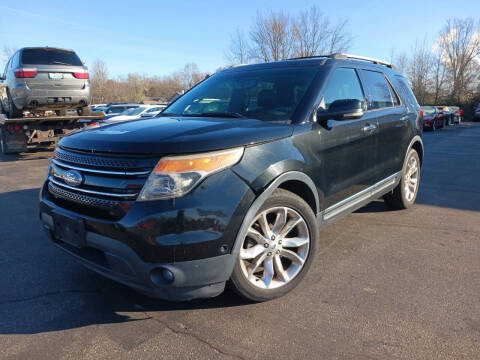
92	192
81	199
96	171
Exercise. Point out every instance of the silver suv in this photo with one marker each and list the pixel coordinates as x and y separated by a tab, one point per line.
37	79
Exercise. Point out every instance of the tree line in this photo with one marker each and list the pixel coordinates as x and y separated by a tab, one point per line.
447	69
443	71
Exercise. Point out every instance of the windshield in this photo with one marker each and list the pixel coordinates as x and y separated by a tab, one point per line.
267	94
427	110
50	57
133	111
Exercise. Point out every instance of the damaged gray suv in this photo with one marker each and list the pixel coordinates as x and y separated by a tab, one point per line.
43	78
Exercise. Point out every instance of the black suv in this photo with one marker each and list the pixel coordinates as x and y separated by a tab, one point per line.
234	179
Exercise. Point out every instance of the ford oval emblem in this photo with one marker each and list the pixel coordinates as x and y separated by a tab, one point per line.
72	177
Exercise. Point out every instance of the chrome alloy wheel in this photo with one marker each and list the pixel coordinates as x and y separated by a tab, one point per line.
411	179
275	248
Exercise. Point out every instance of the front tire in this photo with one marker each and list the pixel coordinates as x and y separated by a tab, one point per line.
278	249
404	195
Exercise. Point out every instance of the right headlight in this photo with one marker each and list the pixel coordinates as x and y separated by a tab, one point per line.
175	176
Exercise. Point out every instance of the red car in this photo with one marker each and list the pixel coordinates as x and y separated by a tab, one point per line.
433	119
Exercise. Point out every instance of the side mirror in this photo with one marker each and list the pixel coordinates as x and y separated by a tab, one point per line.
344	109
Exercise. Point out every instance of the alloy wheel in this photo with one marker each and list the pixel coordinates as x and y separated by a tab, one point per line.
411	179
275	248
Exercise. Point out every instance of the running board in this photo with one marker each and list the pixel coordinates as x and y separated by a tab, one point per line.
362	197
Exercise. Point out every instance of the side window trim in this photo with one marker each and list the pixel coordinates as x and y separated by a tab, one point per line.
330	76
362	80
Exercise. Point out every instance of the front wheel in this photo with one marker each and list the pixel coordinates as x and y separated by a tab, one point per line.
278	248
404	195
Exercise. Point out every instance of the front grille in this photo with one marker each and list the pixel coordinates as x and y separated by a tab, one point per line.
108	182
81	199
107	162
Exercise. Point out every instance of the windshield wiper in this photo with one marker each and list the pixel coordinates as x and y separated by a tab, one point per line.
219	114
168	114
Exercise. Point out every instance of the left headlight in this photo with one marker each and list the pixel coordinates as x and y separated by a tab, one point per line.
175	176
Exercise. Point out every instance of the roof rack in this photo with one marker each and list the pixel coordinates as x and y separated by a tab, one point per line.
347	56
357	57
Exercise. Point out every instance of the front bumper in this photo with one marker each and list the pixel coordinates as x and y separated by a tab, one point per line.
192	237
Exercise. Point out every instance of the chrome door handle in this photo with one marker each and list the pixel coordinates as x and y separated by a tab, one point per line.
369	127
404	118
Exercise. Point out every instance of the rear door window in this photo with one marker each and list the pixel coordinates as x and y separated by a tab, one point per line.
343	84
50	57
406	92
378	90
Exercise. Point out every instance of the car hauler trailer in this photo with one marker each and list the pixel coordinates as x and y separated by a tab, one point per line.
19	134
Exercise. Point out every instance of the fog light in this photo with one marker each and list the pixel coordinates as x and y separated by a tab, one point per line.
162	276
168	276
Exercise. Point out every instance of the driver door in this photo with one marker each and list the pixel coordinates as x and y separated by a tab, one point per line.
347	147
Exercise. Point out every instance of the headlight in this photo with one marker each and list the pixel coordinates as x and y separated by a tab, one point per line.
175	176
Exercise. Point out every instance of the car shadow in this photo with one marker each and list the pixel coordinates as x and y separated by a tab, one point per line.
42	289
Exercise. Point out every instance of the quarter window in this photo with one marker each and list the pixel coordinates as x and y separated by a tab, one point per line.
343	85
378	91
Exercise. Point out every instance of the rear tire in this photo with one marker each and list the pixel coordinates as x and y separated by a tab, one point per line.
404	195
278	249
13	112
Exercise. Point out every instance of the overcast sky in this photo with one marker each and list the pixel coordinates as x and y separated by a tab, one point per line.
158	37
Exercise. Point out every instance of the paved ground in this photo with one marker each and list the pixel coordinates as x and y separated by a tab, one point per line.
388	284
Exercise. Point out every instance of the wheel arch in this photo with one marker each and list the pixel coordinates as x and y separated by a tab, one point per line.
417	144
295	181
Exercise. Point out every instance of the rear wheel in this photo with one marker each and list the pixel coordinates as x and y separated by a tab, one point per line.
278	249
13	112
404	195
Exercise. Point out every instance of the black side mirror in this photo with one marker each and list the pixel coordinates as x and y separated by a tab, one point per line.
344	109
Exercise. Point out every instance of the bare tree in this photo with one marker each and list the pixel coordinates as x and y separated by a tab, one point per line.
312	33
340	39
99	78
238	51
272	37
438	75
7	53
419	70
460	44
190	76
401	62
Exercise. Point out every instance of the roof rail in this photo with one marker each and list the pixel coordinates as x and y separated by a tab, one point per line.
362	58
347	56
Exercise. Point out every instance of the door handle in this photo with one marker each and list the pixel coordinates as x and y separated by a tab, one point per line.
369	127
404	118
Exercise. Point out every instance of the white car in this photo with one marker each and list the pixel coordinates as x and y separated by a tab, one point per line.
143	111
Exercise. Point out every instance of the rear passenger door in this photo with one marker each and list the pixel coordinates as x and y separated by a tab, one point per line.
384	106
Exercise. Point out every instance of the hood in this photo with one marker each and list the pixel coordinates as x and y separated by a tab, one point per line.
176	135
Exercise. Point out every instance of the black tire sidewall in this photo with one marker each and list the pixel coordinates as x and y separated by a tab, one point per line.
285	198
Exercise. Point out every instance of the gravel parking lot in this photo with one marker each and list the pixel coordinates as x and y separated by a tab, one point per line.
387	284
